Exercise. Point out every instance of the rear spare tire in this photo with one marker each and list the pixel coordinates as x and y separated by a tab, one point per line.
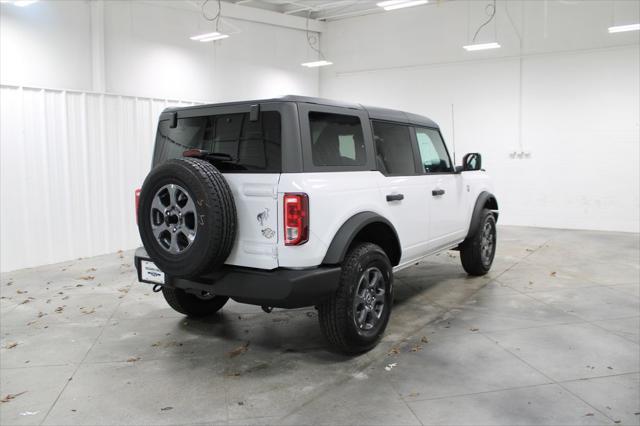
187	217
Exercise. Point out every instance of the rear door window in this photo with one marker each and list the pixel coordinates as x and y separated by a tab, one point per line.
246	146
394	152
336	139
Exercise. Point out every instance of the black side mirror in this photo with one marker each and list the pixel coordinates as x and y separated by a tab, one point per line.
471	162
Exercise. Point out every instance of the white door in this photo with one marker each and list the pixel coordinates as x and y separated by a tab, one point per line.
402	187
442	187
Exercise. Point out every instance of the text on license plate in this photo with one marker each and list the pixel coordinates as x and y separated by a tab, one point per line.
151	273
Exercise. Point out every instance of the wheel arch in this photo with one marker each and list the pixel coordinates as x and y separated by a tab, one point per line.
485	200
361	227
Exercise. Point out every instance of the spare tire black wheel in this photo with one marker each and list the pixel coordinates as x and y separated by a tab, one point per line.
187	217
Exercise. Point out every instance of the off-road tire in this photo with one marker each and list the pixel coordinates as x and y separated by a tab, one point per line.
215	215
190	304
336	314
471	250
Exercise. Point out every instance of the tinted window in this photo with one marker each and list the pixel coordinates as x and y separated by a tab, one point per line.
432	151
394	155
252	146
336	139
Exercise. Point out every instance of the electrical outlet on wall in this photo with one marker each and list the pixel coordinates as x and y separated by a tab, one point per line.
518	154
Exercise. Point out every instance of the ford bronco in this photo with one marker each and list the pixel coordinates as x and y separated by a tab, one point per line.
297	201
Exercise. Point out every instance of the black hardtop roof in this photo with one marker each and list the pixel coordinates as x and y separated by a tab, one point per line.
374	112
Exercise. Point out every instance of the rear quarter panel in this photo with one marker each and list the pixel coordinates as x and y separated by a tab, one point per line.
333	198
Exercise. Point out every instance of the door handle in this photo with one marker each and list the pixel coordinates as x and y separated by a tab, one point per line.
395	197
437	192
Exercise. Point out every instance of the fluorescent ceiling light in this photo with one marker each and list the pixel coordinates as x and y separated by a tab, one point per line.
481	46
399	4
19	3
314	64
209	37
624	28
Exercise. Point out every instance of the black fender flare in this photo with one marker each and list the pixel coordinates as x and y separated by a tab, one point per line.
344	237
476	216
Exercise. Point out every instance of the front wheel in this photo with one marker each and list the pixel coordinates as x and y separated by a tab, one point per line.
478	250
354	318
192	305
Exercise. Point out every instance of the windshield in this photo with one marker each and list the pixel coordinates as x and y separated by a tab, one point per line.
242	145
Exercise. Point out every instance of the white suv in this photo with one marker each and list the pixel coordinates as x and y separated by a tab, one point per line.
297	201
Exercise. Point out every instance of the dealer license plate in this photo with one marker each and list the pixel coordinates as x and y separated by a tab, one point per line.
151	273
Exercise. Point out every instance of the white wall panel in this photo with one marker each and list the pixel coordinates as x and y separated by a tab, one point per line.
69	163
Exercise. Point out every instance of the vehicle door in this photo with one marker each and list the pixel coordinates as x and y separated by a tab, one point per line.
401	186
442	187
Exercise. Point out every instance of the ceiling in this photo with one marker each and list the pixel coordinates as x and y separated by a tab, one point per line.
324	10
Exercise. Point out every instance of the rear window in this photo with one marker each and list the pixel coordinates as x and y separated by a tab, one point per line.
336	140
249	146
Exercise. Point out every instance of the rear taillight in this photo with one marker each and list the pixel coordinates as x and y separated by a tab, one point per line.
137	203
296	219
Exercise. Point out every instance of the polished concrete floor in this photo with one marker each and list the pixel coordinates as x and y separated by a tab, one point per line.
550	336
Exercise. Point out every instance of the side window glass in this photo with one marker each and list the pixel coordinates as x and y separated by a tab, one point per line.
336	139
433	153
394	155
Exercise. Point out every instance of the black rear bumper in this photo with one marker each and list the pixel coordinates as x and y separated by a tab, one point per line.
279	288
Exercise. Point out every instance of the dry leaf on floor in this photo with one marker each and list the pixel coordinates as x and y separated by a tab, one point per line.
424	339
59	309
166	408
11	396
553	274
21	291
91	270
25	301
393	351
474	329
87	277
87	310
416	348
11	345
133	359
238	351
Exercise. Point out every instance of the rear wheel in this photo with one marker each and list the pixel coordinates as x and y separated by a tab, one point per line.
193	305
478	250
354	318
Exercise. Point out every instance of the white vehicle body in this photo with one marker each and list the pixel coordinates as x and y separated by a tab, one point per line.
425	224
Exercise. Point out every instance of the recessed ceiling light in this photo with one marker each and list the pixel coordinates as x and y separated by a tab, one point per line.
624	28
481	46
315	64
400	4
209	37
